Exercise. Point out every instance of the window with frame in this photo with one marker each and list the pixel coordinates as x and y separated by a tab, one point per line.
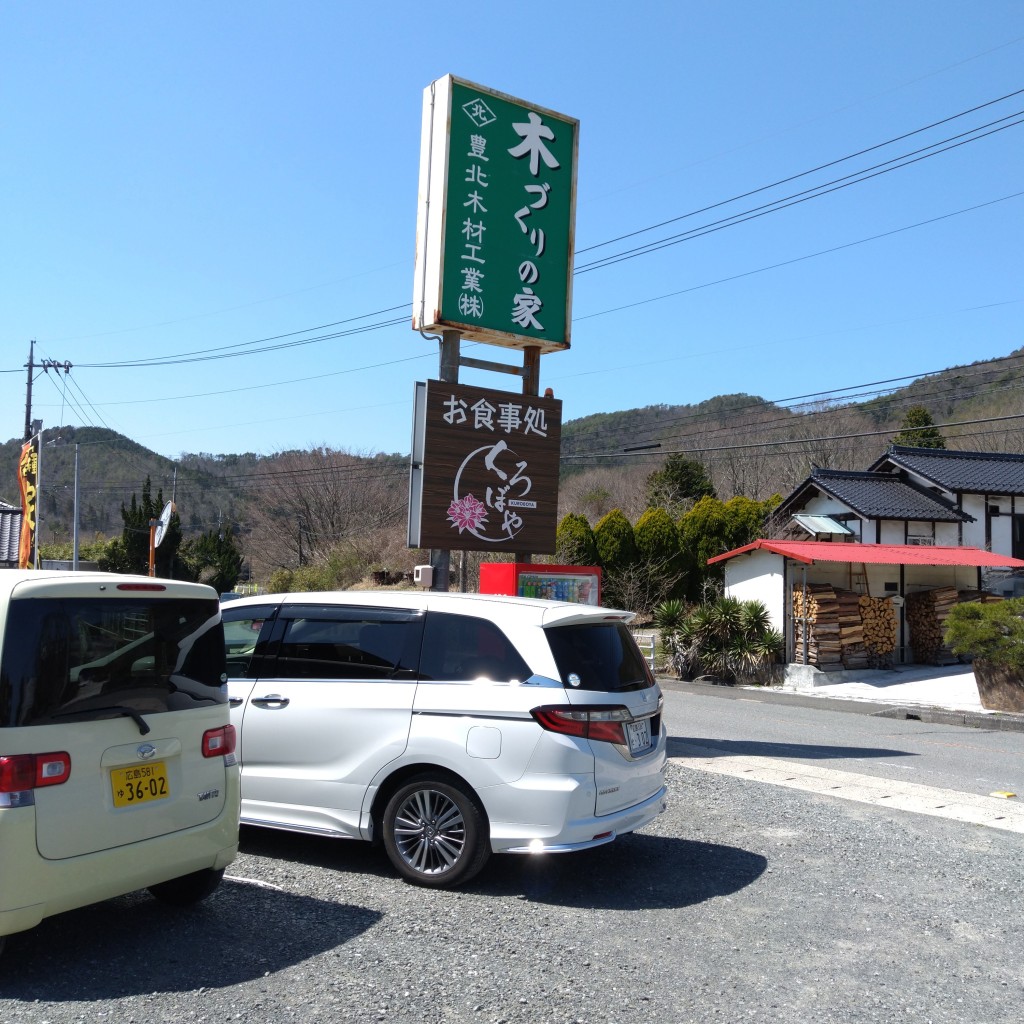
67	657
347	643
463	648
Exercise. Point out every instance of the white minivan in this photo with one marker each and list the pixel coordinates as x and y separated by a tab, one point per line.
117	764
448	726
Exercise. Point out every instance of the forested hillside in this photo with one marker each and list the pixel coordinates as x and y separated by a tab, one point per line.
288	507
757	448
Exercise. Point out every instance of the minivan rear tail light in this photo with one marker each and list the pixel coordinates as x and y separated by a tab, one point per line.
141	586
591	722
19	772
218	742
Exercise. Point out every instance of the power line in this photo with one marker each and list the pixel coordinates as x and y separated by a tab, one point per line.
217	353
836	395
795	441
224	351
801	259
802	174
776	205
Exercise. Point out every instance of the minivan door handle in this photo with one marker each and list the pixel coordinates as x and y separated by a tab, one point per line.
271	699
234	701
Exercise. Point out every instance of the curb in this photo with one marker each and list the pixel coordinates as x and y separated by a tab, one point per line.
997	721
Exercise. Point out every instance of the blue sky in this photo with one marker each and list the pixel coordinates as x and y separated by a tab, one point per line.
182	177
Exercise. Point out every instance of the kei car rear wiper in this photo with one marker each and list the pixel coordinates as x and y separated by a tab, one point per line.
111	709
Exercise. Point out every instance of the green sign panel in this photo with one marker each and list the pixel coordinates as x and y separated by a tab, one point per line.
494	259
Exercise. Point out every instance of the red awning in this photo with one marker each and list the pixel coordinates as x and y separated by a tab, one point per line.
811	551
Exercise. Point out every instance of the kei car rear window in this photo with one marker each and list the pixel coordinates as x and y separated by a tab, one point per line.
86	657
602	657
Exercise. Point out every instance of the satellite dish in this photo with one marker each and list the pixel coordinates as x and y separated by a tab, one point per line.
162	523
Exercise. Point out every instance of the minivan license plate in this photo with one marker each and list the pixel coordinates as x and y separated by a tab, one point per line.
139	784
639	735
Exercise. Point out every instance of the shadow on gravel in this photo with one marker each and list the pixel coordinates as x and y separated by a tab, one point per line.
683	746
135	946
316	851
636	872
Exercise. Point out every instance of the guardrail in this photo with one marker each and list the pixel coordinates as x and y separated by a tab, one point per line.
648	644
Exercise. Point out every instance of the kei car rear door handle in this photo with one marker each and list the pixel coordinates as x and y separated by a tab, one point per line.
271	700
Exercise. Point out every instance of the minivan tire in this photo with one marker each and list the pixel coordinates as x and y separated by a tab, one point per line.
435	833
188	889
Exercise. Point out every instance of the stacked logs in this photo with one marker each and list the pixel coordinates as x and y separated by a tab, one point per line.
926	618
878	616
851	630
845	630
834	631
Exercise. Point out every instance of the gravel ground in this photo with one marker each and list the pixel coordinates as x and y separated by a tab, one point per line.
743	902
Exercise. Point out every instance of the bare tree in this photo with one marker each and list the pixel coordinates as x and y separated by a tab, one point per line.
595	492
305	505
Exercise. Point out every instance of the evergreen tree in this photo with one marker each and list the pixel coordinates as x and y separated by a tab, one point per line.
574	541
213	558
133	555
919	430
616	546
678	484
657	545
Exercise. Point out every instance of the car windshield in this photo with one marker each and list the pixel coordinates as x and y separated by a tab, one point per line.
602	657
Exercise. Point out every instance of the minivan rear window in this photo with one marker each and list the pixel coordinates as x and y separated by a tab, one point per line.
65	657
602	657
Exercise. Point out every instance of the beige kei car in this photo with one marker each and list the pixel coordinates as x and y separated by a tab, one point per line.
117	764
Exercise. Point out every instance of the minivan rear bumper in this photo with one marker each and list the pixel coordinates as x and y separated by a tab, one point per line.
578	833
32	888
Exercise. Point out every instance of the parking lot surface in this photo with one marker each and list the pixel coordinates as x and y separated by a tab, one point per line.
745	901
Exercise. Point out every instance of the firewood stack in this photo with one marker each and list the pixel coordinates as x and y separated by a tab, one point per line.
927	611
835	634
880	629
851	630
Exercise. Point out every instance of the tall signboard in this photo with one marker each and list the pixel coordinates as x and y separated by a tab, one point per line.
484	469
494	238
28	479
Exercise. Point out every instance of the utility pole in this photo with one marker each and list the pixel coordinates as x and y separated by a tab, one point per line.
46	365
28	399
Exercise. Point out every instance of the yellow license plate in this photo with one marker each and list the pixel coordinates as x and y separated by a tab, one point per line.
139	784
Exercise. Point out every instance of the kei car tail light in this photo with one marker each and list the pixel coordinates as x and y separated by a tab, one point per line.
19	772
591	722
218	742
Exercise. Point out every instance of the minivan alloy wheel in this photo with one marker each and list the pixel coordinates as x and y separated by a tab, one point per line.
434	833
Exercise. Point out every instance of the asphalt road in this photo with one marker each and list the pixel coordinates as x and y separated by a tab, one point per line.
852	736
746	901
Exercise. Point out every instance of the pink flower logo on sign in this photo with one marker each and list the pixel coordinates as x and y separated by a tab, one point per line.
467	513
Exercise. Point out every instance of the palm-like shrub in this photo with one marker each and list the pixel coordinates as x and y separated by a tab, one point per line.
733	640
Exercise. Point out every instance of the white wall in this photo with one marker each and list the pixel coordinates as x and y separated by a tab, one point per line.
758	577
974	533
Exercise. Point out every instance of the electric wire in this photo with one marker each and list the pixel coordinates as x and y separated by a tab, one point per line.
209	352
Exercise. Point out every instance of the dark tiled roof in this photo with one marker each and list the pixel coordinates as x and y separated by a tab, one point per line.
10	532
967	472
876	496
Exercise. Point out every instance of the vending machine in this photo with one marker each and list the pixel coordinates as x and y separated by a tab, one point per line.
575	583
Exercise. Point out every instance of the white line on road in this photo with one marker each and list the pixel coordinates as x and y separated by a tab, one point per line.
992	812
253	881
